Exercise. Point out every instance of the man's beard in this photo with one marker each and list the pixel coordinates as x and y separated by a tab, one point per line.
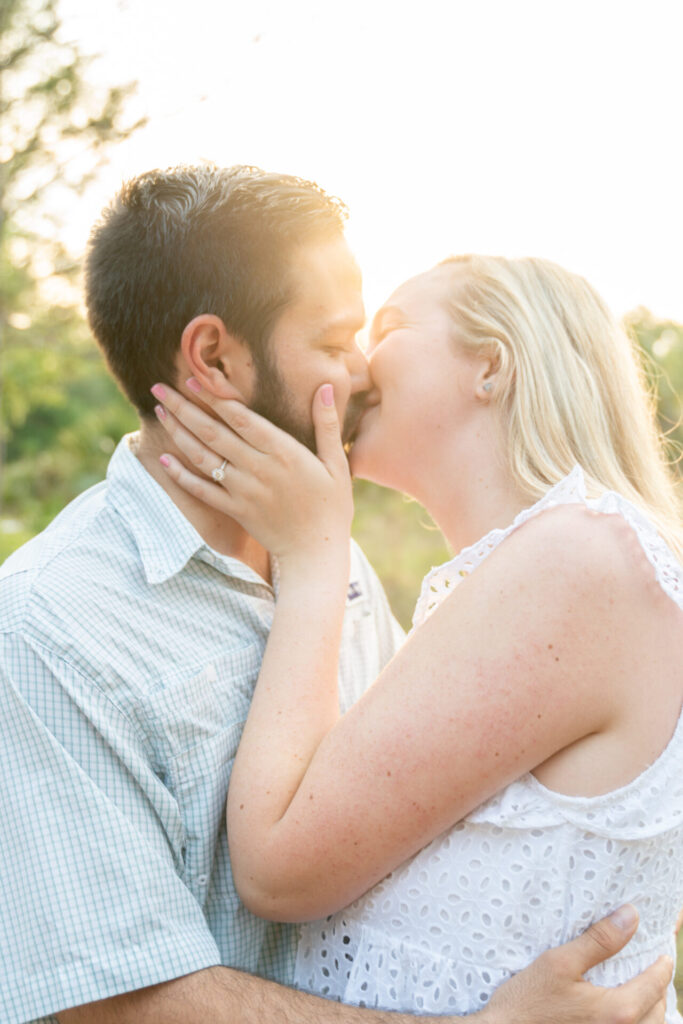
273	401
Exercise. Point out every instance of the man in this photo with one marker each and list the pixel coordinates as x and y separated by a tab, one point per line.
132	631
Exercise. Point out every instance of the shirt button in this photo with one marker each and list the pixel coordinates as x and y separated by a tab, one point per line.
202	879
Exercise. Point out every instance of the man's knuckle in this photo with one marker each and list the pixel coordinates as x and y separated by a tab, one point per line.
624	1015
620	1009
599	934
553	961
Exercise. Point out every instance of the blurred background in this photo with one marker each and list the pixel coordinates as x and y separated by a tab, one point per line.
540	127
533	128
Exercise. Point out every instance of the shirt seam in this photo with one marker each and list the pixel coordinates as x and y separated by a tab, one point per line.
136	725
38	571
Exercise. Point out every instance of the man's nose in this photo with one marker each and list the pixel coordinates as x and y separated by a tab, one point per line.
358	370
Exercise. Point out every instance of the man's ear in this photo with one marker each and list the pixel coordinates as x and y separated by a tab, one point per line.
221	362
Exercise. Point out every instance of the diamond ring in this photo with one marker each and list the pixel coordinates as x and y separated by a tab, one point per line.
219	472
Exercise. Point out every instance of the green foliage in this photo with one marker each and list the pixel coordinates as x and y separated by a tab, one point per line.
401	542
62	414
59	411
662	343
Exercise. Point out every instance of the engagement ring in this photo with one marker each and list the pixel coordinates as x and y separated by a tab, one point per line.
219	472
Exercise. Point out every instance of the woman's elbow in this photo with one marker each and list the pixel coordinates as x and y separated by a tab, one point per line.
276	898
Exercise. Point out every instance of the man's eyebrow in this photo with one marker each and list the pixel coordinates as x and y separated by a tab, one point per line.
343	323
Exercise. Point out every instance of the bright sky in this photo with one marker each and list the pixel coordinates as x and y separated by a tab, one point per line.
523	127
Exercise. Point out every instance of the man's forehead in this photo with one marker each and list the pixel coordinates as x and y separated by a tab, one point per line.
325	320
327	267
327	288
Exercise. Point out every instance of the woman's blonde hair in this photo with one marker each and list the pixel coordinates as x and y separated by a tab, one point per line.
569	382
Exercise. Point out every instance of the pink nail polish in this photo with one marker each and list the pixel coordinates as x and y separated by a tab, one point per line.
160	411
193	384
327	394
165	461
159	392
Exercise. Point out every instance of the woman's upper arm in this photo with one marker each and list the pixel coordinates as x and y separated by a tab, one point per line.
517	664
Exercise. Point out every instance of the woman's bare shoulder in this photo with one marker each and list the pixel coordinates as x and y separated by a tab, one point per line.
580	548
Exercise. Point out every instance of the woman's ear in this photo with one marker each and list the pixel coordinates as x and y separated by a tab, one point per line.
486	378
221	362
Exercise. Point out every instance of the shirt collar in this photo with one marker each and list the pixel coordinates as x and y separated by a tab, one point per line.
165	539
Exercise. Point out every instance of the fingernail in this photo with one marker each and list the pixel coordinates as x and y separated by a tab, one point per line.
327	394
625	917
193	384
165	461
160	411
159	392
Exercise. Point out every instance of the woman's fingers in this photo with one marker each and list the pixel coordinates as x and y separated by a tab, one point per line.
204	490
230	413
206	457
327	431
273	486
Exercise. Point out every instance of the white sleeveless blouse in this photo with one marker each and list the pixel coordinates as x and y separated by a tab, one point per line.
528	869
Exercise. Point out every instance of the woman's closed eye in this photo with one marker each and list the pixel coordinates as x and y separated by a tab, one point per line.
378	337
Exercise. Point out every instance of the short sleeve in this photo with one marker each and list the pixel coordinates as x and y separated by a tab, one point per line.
93	900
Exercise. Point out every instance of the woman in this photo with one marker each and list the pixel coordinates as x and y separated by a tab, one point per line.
516	766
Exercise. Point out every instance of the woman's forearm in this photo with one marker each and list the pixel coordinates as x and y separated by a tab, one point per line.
295	705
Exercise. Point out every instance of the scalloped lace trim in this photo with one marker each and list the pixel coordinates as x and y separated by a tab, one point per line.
441	581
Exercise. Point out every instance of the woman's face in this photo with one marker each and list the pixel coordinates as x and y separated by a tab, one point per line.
423	403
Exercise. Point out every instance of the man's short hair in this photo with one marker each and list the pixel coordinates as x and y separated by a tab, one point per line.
177	243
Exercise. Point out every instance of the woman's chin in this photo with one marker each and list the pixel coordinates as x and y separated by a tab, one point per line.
356	463
368	464
361	462
369	458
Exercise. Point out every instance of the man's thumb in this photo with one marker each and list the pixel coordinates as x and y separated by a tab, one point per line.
327	432
605	938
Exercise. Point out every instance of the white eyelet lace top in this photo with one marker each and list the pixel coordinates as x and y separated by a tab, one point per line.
527	870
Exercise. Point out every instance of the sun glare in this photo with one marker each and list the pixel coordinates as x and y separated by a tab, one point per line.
520	129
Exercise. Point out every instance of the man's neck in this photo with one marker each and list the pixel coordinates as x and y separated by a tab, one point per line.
220	532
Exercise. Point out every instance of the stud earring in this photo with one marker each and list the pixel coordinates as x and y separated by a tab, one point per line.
488	385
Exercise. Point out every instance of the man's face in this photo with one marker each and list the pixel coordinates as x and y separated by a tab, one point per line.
314	342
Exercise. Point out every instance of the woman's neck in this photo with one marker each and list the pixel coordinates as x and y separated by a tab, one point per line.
469	491
465	511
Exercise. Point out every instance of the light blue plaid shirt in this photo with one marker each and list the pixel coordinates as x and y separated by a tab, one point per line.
128	654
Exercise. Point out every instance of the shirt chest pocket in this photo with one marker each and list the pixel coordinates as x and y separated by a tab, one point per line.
194	721
195	718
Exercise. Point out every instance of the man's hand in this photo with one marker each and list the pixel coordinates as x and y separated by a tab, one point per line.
549	991
552	990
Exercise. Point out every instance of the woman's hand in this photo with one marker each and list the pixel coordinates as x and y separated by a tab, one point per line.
297	505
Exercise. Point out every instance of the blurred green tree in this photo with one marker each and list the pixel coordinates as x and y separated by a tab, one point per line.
59	410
